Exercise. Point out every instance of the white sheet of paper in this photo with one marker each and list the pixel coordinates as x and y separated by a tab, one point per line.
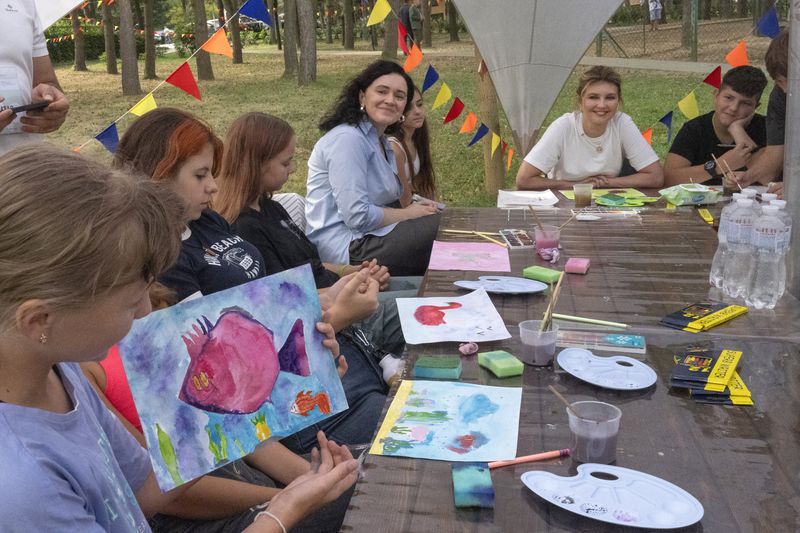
525	198
471	317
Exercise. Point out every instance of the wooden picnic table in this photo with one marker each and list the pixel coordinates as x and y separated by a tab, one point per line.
741	463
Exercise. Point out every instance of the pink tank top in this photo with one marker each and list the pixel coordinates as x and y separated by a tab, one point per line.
117	390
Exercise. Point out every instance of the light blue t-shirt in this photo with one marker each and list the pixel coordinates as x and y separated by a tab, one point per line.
75	471
350	180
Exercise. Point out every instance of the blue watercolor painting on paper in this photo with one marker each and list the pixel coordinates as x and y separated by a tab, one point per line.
214	377
451	421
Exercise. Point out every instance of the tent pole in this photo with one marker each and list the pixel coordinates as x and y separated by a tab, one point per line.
791	158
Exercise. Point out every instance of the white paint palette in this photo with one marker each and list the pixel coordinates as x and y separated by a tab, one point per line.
503	285
618	496
616	372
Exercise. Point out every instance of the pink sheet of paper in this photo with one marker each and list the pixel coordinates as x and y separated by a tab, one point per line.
483	257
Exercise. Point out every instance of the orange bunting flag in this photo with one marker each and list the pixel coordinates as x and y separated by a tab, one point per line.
414	58
648	135
218	44
183	79
738	56
495	142
508	164
469	123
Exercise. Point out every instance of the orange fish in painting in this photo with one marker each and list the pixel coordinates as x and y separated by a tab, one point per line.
305	403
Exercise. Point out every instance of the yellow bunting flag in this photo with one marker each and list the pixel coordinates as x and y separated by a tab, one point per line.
495	142
146	104
508	164
738	56
218	44
648	135
443	97
469	123
688	106
379	12
414	58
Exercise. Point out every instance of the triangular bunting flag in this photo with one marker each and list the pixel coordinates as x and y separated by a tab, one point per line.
109	138
443	97
218	44
183	79
469	123
688	106
482	69
455	110
738	56
414	58
379	12
482	130
510	154
148	103
495	142
257	10
503	147
648	135
401	37
667	120
431	77
715	78
768	26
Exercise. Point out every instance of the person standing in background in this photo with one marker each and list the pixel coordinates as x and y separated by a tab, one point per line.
655	14
405	19
415	14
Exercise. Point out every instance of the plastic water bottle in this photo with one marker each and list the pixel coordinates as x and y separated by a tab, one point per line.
765	282
718	263
739	259
785	240
751	193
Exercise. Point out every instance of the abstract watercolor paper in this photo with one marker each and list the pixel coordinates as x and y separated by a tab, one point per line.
480	256
450	421
214	377
471	317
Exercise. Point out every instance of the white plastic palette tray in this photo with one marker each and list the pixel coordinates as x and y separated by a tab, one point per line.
618	496
503	285
615	372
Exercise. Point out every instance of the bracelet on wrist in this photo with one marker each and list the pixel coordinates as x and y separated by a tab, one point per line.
272	516
341	270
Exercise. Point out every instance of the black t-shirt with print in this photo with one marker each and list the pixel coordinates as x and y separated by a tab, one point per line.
212	259
776	117
282	244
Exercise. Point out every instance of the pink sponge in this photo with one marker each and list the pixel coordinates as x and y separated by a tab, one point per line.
577	265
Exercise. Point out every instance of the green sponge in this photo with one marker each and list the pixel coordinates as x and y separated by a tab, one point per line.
547	275
428	367
501	363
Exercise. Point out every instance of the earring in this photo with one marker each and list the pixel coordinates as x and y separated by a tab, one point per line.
402	118
43	338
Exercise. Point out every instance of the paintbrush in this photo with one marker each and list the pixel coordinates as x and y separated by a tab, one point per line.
504	245
536	218
555	454
567	222
733	176
566	402
724	173
548	313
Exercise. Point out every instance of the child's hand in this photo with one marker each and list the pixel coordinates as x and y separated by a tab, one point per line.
378	273
332	344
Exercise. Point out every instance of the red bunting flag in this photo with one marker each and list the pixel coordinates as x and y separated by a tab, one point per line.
648	135
183	79
738	56
503	147
715	78
508	164
414	58
455	110
401	37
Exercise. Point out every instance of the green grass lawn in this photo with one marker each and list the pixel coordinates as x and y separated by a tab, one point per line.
258	86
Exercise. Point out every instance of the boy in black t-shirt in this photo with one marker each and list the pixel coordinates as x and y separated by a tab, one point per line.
731	133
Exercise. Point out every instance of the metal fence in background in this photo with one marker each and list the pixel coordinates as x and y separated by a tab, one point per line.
689	30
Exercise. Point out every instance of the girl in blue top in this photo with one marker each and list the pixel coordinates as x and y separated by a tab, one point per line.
353	209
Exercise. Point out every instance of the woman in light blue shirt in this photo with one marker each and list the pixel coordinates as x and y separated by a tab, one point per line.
353	207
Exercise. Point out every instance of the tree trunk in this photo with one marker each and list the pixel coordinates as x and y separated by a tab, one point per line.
79	42
427	36
452	21
726	8
390	32
289	38
236	38
349	25
493	174
273	31
127	45
330	7
138	16
149	42
204	70
308	42
705	11
686	27
108	34
221	18
743	8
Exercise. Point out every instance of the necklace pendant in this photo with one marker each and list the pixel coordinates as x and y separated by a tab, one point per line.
599	149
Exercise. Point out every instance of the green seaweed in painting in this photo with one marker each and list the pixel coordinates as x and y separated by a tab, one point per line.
220	450
391	445
401	430
425	416
168	455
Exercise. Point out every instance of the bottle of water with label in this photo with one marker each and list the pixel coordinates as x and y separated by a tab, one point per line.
739	258
767	276
785	240
718	263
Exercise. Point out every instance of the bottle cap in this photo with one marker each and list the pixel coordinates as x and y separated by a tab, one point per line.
749	192
744	202
770	209
780	203
768	197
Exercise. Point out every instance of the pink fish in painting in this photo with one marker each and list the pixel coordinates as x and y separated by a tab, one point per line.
305	403
234	364
432	315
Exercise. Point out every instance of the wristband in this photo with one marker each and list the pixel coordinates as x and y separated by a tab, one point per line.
278	520
341	270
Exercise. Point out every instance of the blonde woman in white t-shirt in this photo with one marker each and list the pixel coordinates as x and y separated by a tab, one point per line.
590	145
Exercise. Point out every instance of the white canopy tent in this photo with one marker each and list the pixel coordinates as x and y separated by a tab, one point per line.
530	48
52	10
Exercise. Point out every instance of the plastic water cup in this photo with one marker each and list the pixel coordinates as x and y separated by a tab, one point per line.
547	238
583	194
538	347
594	431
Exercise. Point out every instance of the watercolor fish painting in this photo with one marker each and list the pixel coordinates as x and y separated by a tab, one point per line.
214	377
450	421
